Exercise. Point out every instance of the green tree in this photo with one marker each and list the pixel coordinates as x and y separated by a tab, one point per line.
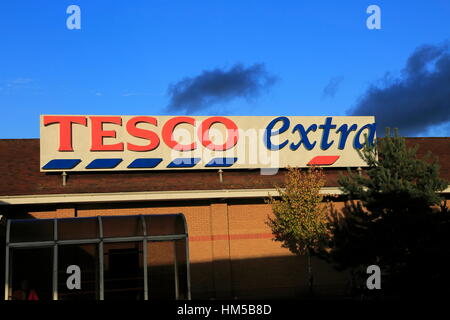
389	219
299	218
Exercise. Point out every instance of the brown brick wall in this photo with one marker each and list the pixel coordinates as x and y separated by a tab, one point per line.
261	267
221	250
232	253
59	212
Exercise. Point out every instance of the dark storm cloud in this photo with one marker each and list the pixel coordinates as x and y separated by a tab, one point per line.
199	93
415	101
332	87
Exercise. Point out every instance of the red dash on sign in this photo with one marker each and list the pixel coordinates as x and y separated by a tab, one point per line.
323	160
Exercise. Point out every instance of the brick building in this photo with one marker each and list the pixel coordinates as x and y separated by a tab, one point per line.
231	251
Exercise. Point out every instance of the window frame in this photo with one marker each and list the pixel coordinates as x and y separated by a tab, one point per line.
100	241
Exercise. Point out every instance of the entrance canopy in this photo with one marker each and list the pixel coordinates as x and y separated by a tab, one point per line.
105	257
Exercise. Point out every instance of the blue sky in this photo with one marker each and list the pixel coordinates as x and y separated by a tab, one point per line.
124	58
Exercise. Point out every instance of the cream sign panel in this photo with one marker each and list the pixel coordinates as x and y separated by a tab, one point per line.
98	143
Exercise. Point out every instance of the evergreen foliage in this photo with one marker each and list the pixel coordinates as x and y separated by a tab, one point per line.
393	219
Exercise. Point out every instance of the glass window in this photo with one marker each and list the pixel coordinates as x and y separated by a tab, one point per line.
158	225
79	228
31	269
122	226
123	271
31	274
161	270
84	257
31	230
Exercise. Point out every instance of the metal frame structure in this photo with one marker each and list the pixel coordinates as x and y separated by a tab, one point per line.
55	243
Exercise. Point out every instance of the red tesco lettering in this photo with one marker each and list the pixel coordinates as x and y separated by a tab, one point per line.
98	133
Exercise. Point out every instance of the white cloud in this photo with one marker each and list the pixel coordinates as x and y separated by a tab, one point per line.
11	86
21	81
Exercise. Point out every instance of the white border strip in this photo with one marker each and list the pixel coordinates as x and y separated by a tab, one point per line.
152	196
146	196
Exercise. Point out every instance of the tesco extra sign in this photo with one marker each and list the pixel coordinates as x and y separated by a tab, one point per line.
91	143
